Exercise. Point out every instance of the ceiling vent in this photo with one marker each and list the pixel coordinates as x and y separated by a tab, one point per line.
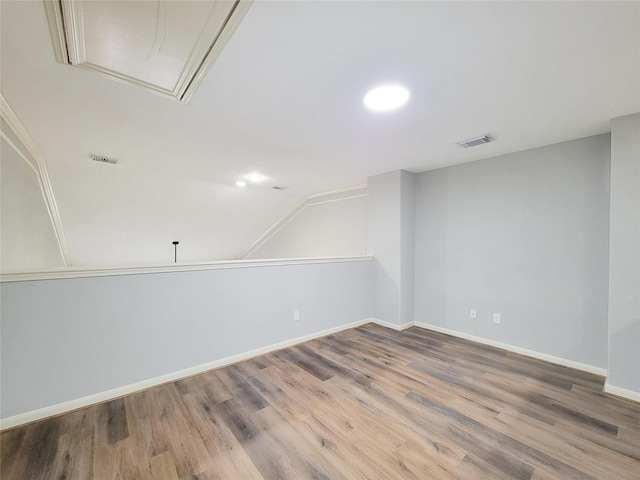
474	142
279	187
100	158
166	47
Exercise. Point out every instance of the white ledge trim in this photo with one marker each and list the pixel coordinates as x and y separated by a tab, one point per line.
77	272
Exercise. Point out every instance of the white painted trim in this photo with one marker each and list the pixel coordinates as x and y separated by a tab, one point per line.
20	153
34	415
522	351
65	18
54	17
237	13
621	392
360	186
73	27
322	202
297	209
392	326
32	151
78	272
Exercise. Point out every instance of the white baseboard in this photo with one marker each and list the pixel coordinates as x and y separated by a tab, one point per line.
621	392
393	326
89	400
522	351
34	415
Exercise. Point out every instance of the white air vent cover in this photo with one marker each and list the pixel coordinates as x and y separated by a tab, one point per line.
473	142
103	159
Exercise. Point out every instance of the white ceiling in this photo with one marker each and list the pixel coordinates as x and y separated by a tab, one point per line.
285	99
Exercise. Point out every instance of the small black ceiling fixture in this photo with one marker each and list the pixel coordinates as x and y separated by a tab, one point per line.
175	252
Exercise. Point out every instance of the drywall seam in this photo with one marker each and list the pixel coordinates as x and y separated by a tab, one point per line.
23	136
294	211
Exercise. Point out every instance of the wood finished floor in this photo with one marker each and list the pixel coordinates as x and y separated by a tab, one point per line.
364	403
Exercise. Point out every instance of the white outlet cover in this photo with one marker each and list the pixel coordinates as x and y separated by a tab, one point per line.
473	314
296	315
496	318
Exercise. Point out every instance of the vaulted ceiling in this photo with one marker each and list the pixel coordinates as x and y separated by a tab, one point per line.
284	98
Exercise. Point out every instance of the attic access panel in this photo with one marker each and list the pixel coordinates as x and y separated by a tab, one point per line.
165	46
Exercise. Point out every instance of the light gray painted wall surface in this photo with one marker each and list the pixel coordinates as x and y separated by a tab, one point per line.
390	238
66	339
624	240
336	228
26	234
407	242
383	241
524	235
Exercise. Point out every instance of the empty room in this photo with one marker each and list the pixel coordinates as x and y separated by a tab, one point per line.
319	239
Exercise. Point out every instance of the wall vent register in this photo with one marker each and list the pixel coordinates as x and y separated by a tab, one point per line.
103	159
474	142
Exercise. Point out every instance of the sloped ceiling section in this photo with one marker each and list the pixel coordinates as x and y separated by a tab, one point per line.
165	47
284	98
331	224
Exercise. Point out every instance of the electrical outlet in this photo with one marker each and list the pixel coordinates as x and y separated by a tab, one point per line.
473	314
296	315
496	318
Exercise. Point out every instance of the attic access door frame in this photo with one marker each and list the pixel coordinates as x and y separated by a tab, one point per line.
186	62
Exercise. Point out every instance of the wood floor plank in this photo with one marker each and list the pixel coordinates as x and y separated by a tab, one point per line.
365	403
228	457
158	467
74	458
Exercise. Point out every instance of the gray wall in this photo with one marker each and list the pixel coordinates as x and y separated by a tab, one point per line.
524	235
26	233
407	245
390	237
624	280
65	339
383	241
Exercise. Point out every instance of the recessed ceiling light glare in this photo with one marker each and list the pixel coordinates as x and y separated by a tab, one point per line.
241	183
387	97
255	177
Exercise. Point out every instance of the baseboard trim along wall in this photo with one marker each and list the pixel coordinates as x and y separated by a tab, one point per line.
65	407
621	392
392	326
522	351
